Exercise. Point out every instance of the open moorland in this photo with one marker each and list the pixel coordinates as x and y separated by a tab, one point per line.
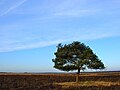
88	81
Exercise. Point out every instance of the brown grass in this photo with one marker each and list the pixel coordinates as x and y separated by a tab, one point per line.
88	83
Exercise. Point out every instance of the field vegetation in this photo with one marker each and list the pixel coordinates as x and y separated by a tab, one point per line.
88	81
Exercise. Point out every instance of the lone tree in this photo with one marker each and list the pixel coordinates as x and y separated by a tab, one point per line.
76	56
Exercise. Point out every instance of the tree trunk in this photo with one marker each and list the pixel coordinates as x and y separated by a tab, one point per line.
77	76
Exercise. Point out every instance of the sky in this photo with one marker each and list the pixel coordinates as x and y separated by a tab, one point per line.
30	30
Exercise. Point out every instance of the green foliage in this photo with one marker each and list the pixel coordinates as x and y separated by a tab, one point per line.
76	56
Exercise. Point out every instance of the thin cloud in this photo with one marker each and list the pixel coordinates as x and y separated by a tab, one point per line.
19	46
27	41
75	13
70	8
36	28
13	7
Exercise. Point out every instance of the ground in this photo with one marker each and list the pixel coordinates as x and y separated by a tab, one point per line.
88	81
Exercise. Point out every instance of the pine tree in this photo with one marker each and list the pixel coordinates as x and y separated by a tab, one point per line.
76	56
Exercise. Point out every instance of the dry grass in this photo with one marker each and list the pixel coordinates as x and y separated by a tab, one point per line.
87	83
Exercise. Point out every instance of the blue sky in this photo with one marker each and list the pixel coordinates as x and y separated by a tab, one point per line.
31	29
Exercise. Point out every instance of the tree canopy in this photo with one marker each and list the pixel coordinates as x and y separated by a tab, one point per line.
76	56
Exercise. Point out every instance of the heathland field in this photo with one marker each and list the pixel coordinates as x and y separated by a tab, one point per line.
88	81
